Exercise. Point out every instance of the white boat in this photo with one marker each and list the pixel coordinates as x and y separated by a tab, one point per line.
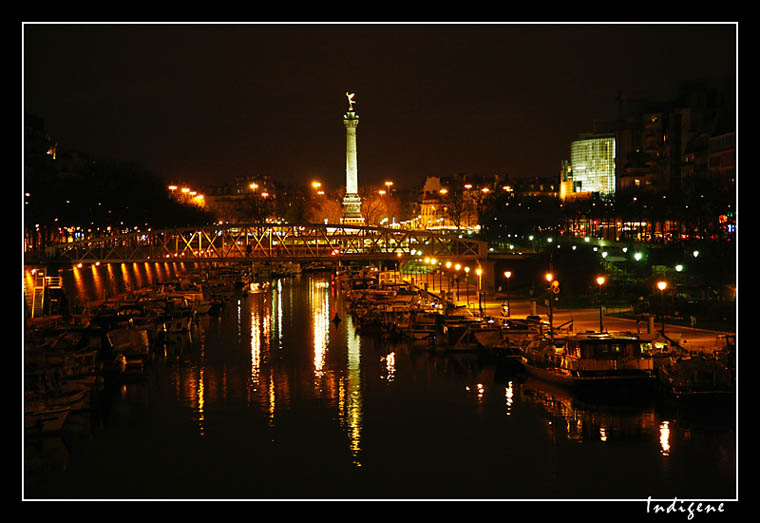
590	358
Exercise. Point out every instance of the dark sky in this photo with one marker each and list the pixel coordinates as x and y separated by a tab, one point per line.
205	103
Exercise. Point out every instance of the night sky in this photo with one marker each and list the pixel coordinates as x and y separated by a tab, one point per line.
205	103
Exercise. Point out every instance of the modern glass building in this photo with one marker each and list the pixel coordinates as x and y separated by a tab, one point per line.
593	165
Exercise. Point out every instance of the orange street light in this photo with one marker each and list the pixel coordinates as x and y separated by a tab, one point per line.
662	285
507	275
600	281
467	285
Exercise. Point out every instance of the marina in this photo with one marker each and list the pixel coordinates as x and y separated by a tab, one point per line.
348	383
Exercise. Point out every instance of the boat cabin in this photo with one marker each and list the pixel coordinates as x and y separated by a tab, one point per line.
604	346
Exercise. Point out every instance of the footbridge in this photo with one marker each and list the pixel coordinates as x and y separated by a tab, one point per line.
264	242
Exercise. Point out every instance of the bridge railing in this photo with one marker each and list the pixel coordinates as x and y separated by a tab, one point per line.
295	242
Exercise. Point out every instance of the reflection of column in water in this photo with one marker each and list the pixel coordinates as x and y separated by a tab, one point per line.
353	396
665	438
321	323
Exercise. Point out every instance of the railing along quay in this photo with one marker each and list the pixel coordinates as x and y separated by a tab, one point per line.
265	242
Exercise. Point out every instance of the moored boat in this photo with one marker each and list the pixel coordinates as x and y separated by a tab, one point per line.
598	358
686	374
40	419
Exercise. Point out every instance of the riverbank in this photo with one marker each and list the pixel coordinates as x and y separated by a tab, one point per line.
704	337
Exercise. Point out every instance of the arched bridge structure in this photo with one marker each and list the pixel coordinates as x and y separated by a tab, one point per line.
261	242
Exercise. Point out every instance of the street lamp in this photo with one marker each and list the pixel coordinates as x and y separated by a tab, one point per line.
600	281
479	272
550	279
457	268
467	284
662	285
508	275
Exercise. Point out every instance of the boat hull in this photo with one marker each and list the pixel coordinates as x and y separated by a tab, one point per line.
564	377
44	420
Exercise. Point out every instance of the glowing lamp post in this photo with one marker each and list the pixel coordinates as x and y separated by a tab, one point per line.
600	281
479	272
448	277
553	288
457	268
467	284
508	276
662	285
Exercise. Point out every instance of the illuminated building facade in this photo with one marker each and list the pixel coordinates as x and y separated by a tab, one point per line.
592	165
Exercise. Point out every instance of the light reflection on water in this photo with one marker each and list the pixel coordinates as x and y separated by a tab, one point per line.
275	385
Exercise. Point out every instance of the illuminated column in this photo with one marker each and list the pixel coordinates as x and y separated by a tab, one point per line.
351	201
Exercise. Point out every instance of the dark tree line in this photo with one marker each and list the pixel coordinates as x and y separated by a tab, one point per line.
97	196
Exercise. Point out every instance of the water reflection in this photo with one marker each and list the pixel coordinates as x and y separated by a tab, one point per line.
319	298
200	393
665	438
390	366
277	313
273	373
350	409
577	421
509	397
101	281
255	350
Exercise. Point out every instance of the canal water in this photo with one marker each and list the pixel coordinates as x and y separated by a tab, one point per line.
273	399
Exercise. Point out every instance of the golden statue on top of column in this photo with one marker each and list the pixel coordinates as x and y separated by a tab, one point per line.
350	101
